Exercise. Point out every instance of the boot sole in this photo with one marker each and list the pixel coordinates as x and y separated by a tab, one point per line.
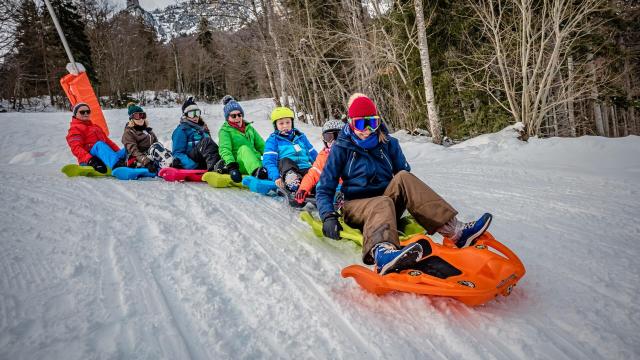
406	260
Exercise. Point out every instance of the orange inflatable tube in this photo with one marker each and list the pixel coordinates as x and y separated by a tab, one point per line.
78	89
473	275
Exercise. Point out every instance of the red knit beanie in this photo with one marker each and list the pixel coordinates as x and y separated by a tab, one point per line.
362	106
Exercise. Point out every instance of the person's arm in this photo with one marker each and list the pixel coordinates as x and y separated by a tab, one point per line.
398	159
75	139
258	141
312	177
179	139
313	154
225	146
130	144
270	158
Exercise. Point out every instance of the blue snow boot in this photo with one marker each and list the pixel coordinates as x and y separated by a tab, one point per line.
472	230
389	259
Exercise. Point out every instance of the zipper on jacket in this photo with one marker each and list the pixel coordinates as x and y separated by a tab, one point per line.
351	163
386	158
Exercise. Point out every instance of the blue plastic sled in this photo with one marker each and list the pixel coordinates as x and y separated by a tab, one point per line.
125	173
265	187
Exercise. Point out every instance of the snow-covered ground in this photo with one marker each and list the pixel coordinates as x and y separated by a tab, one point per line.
99	268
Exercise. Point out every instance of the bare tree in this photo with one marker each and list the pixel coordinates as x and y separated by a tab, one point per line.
529	42
432	111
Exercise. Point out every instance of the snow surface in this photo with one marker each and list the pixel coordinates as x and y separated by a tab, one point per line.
99	268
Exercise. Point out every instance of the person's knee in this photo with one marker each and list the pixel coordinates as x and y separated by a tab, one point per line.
403	174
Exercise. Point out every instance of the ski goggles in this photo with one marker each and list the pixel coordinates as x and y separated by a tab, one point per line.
139	116
330	136
362	123
193	113
233	116
84	112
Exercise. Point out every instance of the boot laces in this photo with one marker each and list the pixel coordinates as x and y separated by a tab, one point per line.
469	225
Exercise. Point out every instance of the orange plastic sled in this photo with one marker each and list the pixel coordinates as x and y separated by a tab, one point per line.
473	275
78	89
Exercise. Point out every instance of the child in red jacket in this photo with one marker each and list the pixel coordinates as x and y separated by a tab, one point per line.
90	145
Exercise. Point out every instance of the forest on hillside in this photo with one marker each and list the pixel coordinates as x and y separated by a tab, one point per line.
457	68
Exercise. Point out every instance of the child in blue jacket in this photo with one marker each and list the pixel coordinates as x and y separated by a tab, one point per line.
193	147
288	154
378	186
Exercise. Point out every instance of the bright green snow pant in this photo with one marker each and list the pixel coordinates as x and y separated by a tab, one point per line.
248	159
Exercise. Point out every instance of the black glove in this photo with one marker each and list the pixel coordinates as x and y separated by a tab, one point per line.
176	163
151	166
300	196
221	167
97	164
331	226
234	172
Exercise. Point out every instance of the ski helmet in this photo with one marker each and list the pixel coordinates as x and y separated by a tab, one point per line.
281	113
331	125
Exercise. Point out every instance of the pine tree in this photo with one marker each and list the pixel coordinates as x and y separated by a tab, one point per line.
29	59
204	34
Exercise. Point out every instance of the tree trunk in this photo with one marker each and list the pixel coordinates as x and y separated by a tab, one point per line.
614	122
175	59
597	112
279	50
272	85
434	120
572	119
631	116
605	119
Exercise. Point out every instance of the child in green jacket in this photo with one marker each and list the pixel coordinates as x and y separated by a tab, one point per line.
240	145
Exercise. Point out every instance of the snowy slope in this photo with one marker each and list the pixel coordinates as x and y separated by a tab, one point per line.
98	268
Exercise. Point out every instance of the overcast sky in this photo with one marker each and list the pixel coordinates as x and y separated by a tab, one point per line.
155	4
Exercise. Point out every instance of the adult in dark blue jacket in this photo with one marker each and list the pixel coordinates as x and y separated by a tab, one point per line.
377	188
193	147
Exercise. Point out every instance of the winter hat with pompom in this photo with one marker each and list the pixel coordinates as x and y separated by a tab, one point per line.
189	105
133	108
230	105
362	106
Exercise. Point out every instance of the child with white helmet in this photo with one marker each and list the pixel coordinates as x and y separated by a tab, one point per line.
330	131
288	154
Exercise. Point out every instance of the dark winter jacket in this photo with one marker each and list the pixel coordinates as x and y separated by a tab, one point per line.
295	147
364	173
137	141
185	137
81	137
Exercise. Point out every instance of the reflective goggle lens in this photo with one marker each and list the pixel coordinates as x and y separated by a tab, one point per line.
139	116
330	136
362	123
193	113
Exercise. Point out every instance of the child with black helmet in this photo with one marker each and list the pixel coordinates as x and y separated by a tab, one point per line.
330	131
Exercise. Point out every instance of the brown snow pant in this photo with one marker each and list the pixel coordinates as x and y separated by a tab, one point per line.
378	216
